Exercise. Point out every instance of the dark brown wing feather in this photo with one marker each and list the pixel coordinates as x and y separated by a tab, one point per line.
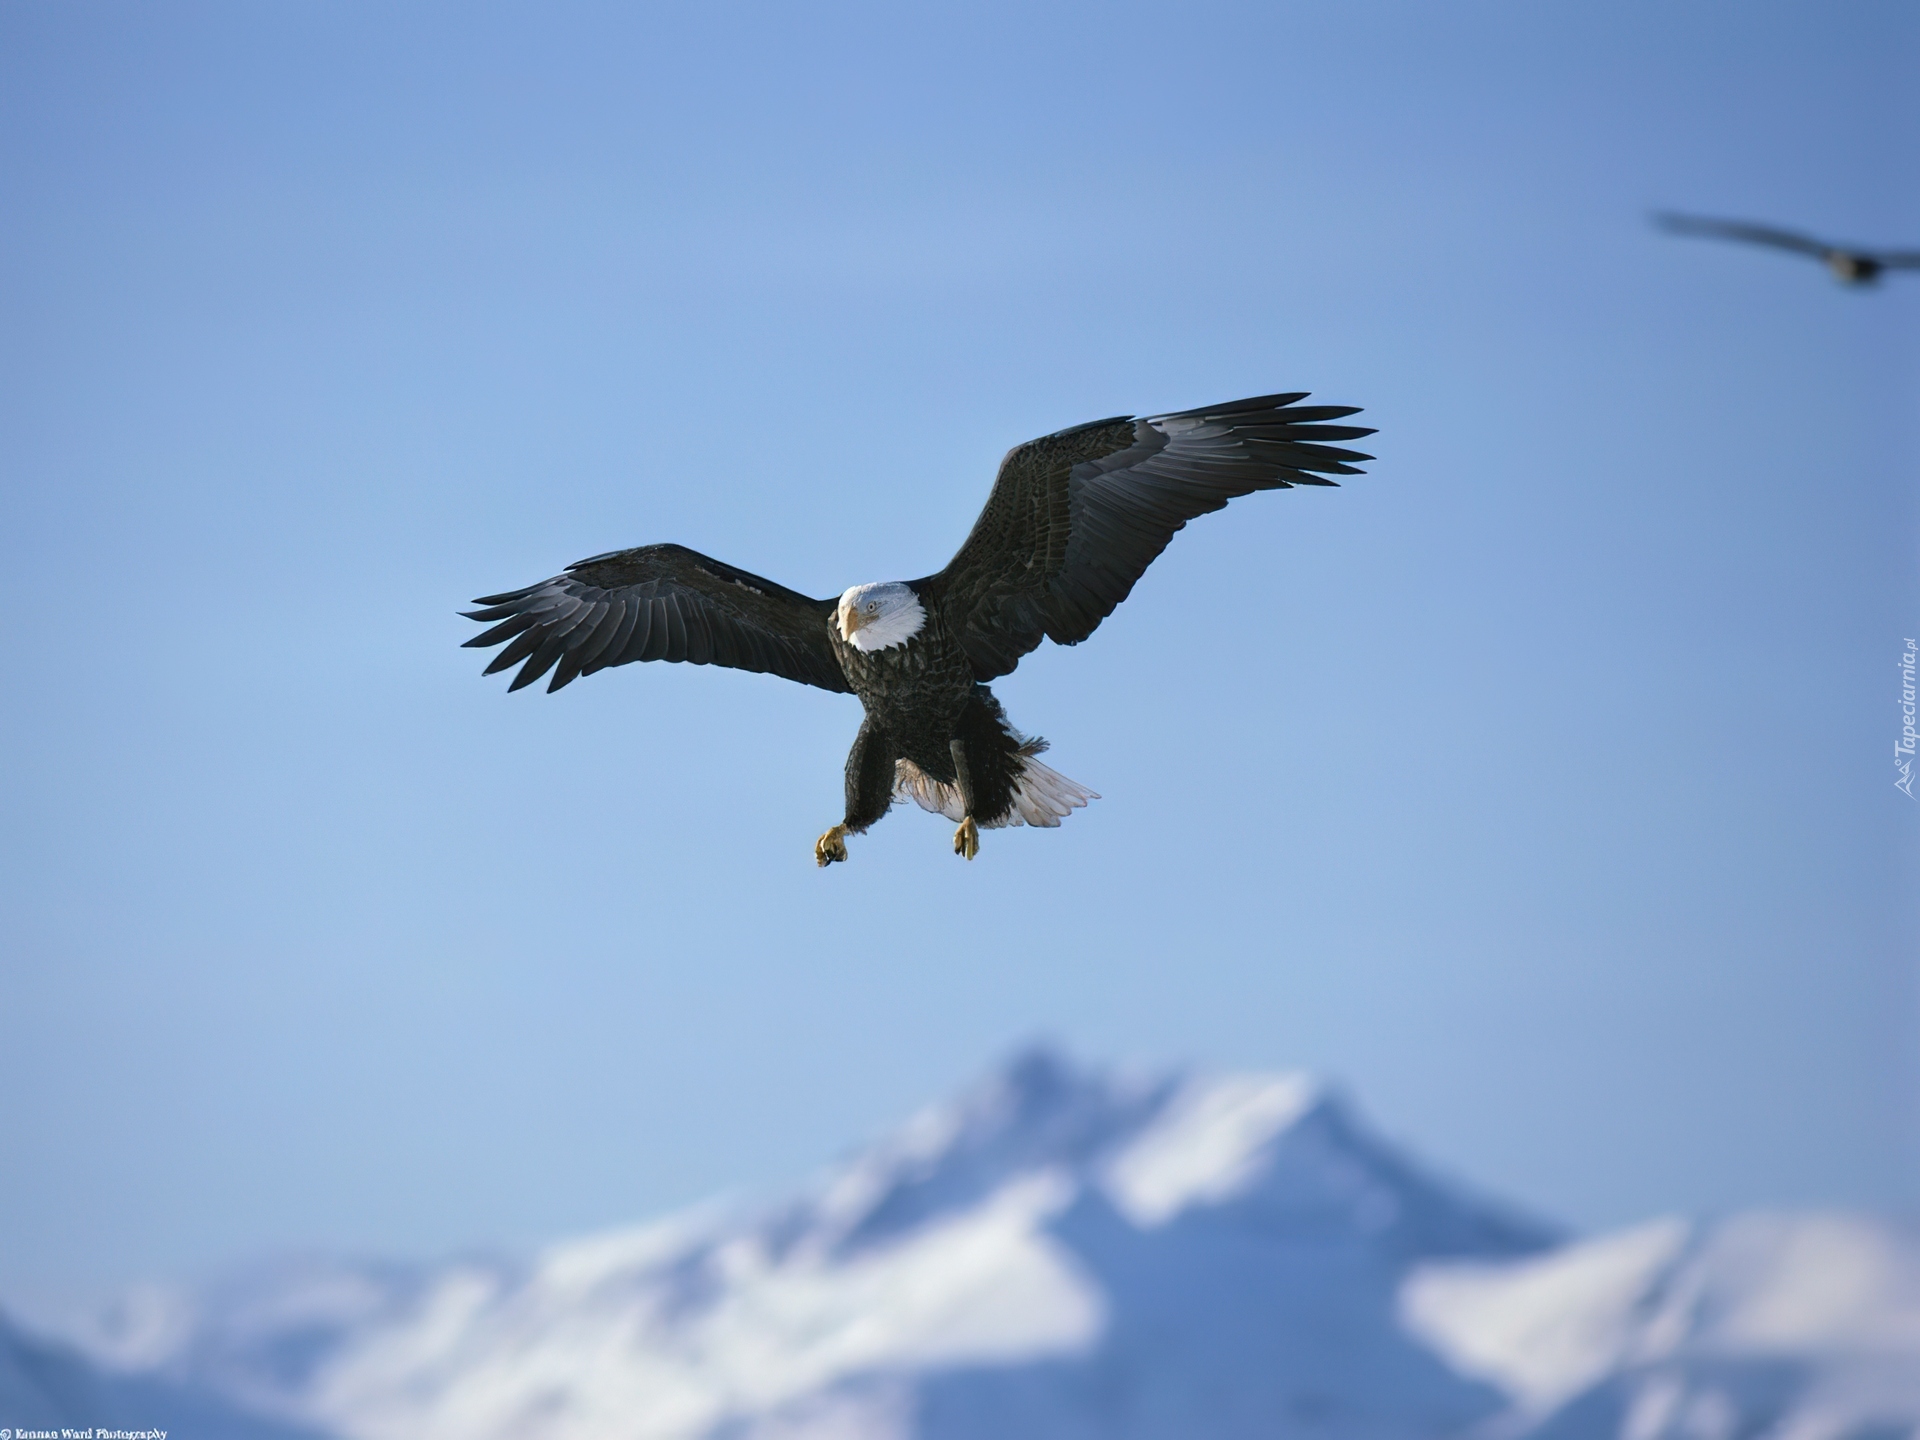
1786	240
1743	230
658	602
1076	517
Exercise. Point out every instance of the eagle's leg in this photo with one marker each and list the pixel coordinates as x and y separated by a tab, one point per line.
869	791
966	840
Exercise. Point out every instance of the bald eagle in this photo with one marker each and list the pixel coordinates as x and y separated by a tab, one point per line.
1850	264
1073	520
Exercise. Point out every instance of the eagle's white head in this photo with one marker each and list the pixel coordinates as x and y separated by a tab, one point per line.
872	617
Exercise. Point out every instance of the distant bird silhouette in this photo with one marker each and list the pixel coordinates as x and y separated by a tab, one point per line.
1850	264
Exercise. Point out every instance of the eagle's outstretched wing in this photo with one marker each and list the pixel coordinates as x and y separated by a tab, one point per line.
1076	517
1743	230
658	602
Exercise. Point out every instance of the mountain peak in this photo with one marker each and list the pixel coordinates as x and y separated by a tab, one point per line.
1056	1231
1153	1146
1036	1111
1040	1070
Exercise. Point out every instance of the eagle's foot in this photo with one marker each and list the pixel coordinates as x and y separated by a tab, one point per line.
966	840
831	846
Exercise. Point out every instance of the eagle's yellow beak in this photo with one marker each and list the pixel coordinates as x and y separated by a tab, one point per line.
850	621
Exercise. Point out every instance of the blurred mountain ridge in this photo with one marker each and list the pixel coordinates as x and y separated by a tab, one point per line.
1061	1251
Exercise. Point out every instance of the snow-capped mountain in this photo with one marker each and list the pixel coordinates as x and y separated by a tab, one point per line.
1068	1253
1792	1327
45	1387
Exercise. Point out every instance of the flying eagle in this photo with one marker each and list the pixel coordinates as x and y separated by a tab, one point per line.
1850	264
1073	521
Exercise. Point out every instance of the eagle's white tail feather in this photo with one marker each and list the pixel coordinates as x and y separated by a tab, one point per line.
1041	796
910	782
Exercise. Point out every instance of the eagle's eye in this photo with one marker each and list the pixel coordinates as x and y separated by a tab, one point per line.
872	605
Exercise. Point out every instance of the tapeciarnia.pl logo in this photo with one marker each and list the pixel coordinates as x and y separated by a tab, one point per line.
1903	747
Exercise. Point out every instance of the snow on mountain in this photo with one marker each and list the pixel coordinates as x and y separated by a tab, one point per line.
1801	1326
1068	1253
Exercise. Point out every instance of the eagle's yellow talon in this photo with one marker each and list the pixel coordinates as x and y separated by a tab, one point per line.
831	846
966	840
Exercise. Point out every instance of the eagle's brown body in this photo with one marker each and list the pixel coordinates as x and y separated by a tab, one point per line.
1072	522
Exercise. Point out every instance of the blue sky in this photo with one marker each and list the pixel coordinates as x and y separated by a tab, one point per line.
1537	786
